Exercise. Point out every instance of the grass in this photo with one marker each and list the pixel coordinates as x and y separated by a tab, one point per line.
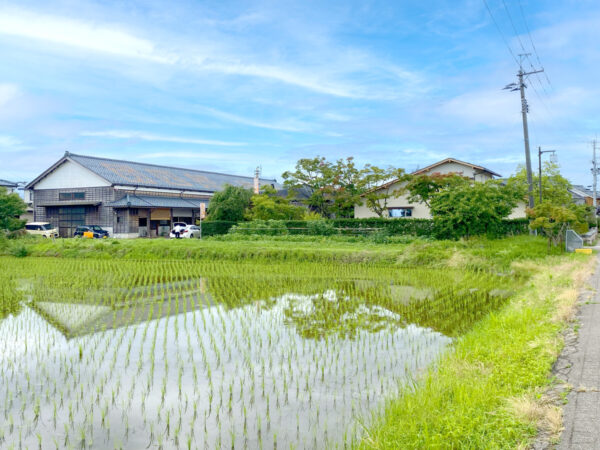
481	394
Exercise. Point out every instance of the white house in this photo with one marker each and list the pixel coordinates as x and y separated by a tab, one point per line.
402	207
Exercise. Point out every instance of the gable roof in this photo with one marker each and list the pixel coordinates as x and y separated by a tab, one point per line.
581	191
129	173
432	166
452	160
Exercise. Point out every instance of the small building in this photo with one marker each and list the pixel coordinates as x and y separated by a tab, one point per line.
582	195
10	186
401	207
129	199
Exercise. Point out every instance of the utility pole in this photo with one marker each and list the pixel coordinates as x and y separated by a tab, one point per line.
595	173
540	168
521	75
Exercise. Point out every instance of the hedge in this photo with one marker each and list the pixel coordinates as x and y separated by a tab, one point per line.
404	226
215	227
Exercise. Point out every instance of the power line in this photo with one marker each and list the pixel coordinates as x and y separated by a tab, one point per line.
532	43
515	29
500	32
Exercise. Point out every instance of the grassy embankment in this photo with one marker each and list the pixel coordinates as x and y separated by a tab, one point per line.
487	393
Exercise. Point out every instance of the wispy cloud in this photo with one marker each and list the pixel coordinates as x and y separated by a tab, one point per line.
143	136
78	33
323	77
293	126
8	92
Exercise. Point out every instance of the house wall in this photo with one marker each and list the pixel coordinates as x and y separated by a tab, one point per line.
70	175
419	210
94	215
465	171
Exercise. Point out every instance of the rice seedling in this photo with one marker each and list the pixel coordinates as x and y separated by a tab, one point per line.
127	354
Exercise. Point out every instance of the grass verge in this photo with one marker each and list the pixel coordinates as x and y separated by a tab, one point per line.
487	392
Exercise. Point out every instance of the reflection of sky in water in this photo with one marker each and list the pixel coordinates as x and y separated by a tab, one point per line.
210	376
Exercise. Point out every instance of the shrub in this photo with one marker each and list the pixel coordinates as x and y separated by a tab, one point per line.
260	227
320	227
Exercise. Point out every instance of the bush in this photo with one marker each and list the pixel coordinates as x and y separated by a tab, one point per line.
19	250
260	227
216	227
320	228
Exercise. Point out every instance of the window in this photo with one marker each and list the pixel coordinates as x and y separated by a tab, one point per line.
400	212
71	195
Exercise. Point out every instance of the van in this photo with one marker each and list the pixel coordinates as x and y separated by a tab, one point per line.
43	229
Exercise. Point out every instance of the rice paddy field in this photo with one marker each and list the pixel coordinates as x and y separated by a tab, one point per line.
200	352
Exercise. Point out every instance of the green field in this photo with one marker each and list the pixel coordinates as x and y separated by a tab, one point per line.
292	342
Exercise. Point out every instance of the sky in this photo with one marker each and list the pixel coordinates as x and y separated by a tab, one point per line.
228	86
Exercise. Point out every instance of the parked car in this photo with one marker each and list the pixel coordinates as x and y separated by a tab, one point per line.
93	231
43	229
189	231
178	227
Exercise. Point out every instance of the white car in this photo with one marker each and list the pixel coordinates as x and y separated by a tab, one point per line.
189	231
43	229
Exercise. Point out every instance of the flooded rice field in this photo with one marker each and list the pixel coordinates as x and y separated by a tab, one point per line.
159	354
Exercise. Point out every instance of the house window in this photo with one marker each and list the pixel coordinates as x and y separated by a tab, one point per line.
400	212
71	196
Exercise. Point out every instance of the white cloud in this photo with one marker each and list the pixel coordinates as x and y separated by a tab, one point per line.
8	92
293	126
485	107
77	33
141	135
329	77
9	142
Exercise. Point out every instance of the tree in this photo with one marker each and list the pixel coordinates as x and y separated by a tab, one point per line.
269	206
345	187
229	204
380	186
423	187
11	207
313	175
555	187
467	208
553	220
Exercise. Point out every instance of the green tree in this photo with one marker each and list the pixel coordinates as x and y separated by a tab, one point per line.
313	175
334	188
555	187
229	204
269	206
11	207
422	188
553	220
380	186
467	208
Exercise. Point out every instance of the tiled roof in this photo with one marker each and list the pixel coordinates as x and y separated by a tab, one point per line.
129	173
580	189
147	201
8	183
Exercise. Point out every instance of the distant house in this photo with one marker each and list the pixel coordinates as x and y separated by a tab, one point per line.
401	207
129	199
10	186
582	195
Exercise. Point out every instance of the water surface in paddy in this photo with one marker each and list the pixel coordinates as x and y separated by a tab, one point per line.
201	355
210	377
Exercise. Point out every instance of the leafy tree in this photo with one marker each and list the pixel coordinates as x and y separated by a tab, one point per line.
334	187
465	208
380	186
11	207
555	187
422	188
313	175
269	206
229	204
553	220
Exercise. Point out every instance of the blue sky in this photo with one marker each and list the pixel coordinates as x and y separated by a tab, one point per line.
227	85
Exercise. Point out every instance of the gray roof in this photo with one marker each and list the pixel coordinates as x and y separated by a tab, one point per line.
147	201
578	188
137	174
7	183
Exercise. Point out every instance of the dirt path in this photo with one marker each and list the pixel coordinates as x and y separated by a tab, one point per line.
579	367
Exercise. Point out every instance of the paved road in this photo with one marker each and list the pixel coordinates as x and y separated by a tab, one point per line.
579	365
